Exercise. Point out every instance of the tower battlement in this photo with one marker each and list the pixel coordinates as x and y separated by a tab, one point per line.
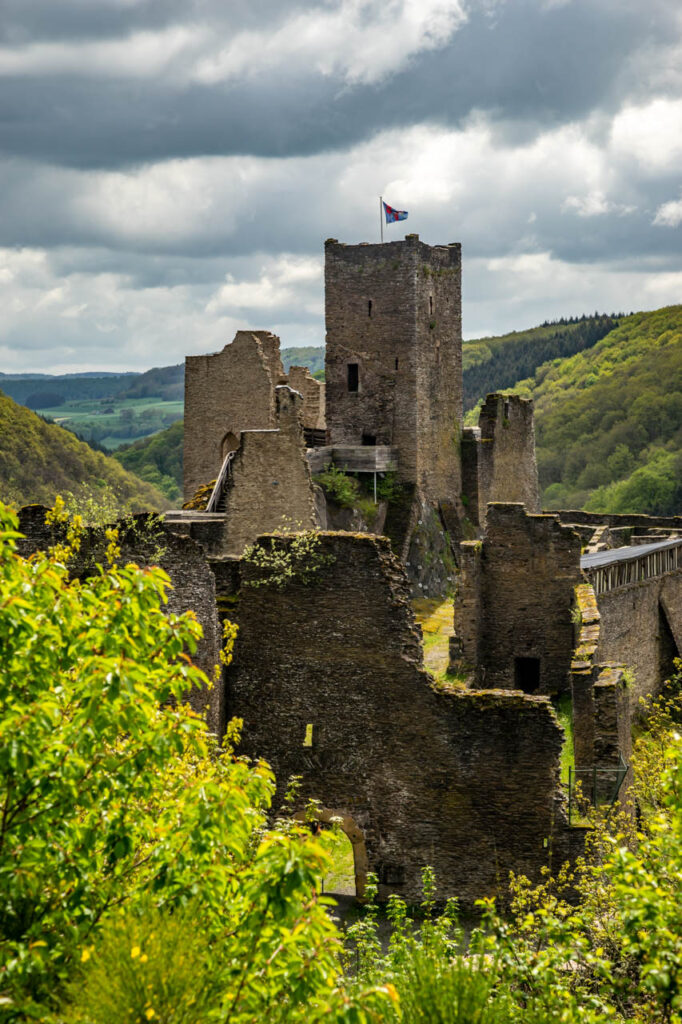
394	355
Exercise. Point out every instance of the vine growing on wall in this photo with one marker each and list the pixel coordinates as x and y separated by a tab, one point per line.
278	561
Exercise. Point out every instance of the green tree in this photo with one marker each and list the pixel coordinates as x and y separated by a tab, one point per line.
114	799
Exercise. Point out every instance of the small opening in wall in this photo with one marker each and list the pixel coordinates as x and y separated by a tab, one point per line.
369	308
396	364
431	304
353	377
308	738
369	440
506	409
527	674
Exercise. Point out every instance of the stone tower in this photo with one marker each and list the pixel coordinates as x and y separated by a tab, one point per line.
394	356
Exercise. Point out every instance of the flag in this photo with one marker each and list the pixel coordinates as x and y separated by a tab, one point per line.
392	215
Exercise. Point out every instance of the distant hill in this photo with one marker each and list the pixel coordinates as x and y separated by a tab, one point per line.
158	460
311	356
39	460
167	382
608	420
492	364
68	387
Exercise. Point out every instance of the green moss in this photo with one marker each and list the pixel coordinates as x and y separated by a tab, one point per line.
563	706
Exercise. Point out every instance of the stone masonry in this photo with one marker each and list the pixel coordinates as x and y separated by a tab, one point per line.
513	606
464	781
394	356
234	390
498	457
270	487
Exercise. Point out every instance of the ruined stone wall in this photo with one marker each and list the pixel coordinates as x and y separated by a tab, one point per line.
527	570
270	486
146	541
466	782
507	466
439	370
393	310
639	524
313	393
641	626
227	392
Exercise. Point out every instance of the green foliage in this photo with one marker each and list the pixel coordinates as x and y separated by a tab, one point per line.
493	364
609	420
39	460
283	559
137	876
341	488
157	459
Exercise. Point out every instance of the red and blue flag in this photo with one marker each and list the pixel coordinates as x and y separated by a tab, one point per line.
393	215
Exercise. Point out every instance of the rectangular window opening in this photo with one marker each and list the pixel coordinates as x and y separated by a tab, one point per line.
353	377
396	364
308	738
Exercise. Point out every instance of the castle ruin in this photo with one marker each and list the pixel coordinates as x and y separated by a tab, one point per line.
328	673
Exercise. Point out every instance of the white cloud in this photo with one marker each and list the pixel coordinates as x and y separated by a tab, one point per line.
282	282
650	135
669	215
594	204
141	55
362	40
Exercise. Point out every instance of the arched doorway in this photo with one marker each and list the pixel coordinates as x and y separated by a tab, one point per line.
356	839
229	443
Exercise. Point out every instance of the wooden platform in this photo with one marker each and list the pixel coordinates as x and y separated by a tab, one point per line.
354	458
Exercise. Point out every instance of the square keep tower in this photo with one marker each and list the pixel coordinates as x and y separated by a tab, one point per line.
394	356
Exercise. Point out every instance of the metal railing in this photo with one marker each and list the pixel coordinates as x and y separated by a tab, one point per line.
223	476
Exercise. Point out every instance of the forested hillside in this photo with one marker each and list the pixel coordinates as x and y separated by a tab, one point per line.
158	460
491	364
609	420
39	460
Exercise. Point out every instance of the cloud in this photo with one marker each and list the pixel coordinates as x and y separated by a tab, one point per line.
170	168
669	214
594	204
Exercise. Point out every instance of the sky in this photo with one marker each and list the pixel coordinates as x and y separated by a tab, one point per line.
169	169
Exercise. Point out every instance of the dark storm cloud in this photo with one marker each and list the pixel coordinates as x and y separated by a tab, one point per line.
529	66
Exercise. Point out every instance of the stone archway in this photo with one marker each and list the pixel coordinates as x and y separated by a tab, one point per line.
229	443
355	836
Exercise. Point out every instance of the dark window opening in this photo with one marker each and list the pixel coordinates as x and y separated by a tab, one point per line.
396	364
369	308
527	674
369	440
506	409
353	377
431	304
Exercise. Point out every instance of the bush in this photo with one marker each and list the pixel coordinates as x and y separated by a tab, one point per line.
120	810
339	487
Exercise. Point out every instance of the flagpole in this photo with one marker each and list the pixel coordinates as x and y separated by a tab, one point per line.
381	217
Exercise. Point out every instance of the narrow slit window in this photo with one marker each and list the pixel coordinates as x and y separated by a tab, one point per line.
431	304
308	738
369	308
396	364
353	377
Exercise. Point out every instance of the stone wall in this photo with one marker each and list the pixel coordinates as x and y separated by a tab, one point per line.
507	468
227	392
641	626
270	486
146	541
464	781
312	392
513	606
393	312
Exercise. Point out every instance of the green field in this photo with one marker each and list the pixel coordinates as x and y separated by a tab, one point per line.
112	422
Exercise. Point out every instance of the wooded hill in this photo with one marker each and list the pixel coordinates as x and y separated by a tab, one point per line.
158	460
608	421
491	364
39	460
